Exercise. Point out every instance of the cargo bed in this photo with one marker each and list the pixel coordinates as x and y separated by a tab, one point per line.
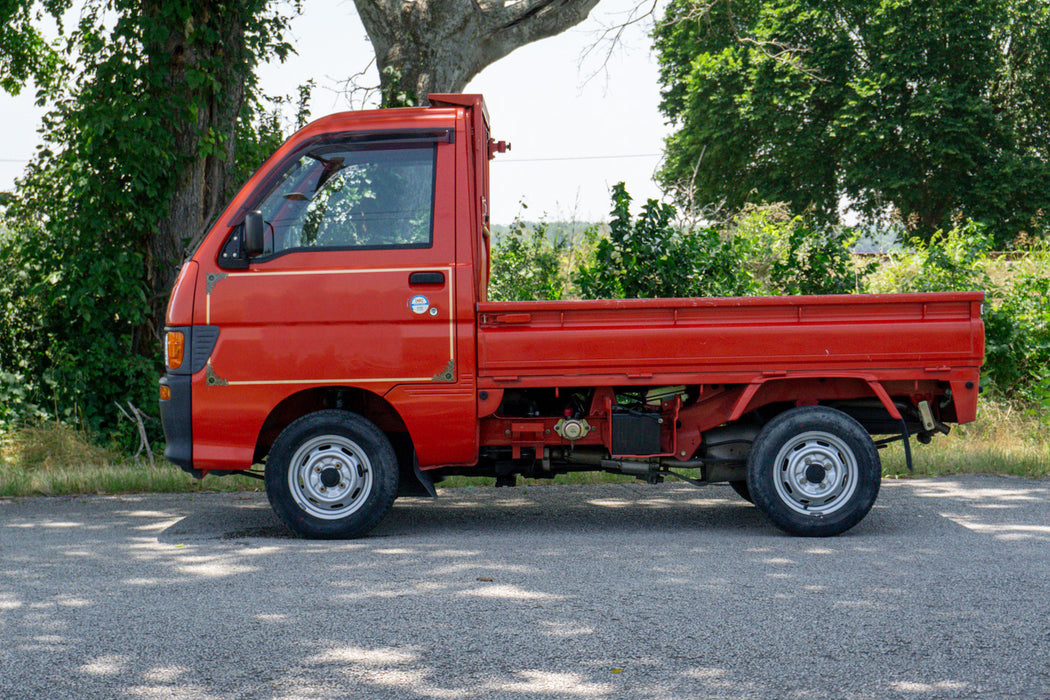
728	339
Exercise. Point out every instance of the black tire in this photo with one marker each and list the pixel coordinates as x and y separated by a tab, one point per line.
742	490
331	474
814	471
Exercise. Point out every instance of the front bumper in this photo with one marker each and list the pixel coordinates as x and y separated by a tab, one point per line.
176	412
176	415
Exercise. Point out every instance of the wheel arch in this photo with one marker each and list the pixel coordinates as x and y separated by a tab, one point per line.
815	388
349	398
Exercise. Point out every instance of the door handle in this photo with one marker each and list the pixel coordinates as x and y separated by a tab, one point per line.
426	278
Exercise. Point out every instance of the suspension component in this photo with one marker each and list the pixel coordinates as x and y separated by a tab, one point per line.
572	429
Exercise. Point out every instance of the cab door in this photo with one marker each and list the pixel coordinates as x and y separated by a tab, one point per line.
355	286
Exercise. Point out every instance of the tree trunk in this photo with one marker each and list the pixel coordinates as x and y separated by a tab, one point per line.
203	117
425	46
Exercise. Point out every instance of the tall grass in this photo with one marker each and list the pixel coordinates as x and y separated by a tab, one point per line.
1003	440
52	459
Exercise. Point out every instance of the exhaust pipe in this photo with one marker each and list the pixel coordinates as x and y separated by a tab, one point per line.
712	471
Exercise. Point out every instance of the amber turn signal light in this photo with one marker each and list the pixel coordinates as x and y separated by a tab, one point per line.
174	349
165	392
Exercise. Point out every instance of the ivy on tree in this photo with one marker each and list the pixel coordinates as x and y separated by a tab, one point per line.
25	54
139	145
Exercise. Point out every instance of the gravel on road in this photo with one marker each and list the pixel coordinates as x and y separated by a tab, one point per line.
604	591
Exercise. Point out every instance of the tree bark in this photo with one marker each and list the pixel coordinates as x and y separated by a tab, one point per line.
425	46
198	111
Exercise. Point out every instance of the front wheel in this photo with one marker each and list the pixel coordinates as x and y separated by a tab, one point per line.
814	471
331	474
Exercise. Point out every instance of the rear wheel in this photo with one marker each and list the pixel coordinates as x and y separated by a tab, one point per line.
814	471
331	474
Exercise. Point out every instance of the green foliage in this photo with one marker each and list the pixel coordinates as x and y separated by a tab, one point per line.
923	110
526	264
16	408
25	55
761	250
72	312
789	254
956	260
1018	331
133	119
650	258
20	321
1017	309
393	92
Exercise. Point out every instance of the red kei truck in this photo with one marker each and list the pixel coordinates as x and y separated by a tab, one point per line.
334	325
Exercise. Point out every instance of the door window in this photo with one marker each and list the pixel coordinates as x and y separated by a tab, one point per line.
334	197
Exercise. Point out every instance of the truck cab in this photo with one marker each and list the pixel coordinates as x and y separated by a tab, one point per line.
355	289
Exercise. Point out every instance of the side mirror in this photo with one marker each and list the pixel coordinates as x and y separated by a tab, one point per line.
253	233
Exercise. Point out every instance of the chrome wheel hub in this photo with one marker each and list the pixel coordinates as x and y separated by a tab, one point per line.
815	473
330	477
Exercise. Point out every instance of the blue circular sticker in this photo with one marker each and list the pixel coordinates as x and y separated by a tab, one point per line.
419	304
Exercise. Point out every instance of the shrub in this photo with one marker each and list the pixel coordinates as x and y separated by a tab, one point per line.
956	260
649	257
526	264
1018	331
1016	312
788	254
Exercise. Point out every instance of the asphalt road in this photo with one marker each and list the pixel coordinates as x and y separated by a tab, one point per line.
546	592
